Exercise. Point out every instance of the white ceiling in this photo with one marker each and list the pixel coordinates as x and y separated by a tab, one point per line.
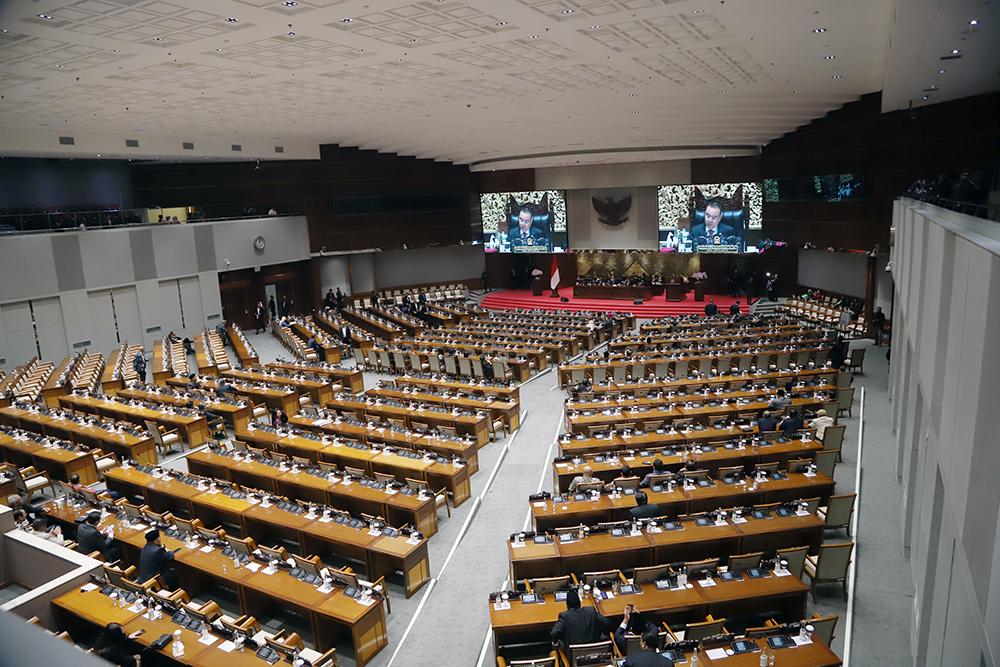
489	83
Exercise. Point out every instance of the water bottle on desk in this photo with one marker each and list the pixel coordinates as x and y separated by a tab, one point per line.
178	645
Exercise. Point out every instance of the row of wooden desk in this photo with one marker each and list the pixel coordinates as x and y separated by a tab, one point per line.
568	554
350	378
320	391
785	596
236	415
122	444
455	478
815	378
509	411
193	428
561	512
474	425
381	554
639	457
275	397
503	391
257	592
20	450
570	341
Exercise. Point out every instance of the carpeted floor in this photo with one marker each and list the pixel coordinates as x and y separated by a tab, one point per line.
448	621
655	307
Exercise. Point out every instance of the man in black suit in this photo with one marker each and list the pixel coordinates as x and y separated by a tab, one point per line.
648	657
712	226
340	299
711	308
155	560
525	234
90	539
792	423
734	309
642	509
579	625
767	423
633	623
878	322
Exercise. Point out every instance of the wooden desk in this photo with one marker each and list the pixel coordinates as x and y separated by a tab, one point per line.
509	393
350	378
312	534
467	449
639	458
54	387
397	508
284	399
595	553
628	292
674	291
59	463
474	425
509	411
124	445
319	391
550	515
399	465
193	429
246	355
237	416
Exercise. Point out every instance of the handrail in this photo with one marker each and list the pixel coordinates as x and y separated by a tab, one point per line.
987	211
75	221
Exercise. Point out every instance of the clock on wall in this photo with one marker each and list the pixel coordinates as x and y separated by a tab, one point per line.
258	244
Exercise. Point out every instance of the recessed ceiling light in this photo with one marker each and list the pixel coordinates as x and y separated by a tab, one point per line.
820	30
570	11
830	57
594	27
176	61
635	113
60	66
836	76
347	20
414	40
5	31
722	91
634	127
795	91
925	97
741	125
973	22
698	11
632	95
45	16
360	50
289	3
157	39
502	23
112	50
940	71
533	37
232	20
291	34
955	51
219	50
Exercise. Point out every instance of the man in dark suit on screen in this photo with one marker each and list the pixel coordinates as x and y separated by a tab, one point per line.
526	234
712	226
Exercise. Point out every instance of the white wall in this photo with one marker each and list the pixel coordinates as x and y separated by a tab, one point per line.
944	383
363	272
621	175
429	265
841	272
640	231
335	272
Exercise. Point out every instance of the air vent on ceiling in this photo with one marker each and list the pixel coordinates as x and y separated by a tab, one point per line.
82	343
152	329
131	143
3	361
237	148
279	149
951	57
214	316
67	141
188	145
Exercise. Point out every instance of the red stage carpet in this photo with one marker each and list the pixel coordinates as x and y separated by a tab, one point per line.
655	307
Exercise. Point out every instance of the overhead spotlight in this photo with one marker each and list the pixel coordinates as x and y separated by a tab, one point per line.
258	167
289	3
818	30
830	57
291	34
230	19
533	37
594	27
112	50
973	22
955	51
570	11
940	71
502	23
836	76
925	97
45	16
347	20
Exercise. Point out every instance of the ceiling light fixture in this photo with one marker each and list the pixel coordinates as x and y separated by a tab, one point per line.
414	40
940	71
819	30
289	3
925	97
60	66
219	50
157	39
836	76
954	51
830	57
176	61
570	11
291	34
698	11
533	37
114	50
502	23
632	95
795	91
230	19
347	20
634	127
45	16
635	113
973	22
594	27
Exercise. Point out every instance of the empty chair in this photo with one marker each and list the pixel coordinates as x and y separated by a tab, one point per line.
829	566
826	461
833	436
681	369
769	468
543	585
645	575
745	362
698	565
697	631
637	371
796	558
450	365
477	368
705	366
549	661
464	367
844	380
857	360
846	398
417	365
745	561
28	480
590	578
619	373
802	359
838	511
823	627
400	361
164	440
578	375
384	362
434	362
662	369
579	650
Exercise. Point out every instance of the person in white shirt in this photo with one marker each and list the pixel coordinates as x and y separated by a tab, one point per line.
54	535
820	423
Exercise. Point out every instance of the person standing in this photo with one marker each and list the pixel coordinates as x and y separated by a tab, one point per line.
486	280
770	286
271	308
286	307
139	364
340	300
878	324
579	625
711	308
259	318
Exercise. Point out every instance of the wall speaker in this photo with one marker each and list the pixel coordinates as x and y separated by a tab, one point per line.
564	299
638	302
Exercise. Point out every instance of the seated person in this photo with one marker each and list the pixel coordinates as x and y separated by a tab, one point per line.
779	402
526	234
579	625
576	389
40	528
712	226
15	502
216	422
586	478
634	624
113	646
658	469
711	308
279	418
792	423
767	423
90	539
193	382
820	423
155	560
648	657
224	388
734	309
21	519
642	509
74	482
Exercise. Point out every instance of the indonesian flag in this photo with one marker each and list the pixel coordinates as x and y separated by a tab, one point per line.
554	283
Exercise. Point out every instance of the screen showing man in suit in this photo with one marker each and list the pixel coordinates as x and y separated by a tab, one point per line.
524	222
708	218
